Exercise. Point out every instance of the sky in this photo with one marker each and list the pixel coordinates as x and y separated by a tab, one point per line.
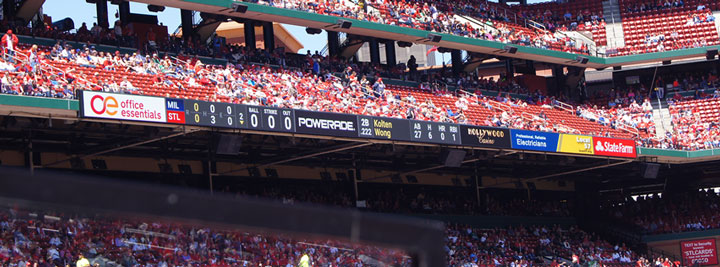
80	11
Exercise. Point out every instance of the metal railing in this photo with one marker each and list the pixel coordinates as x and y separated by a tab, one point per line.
565	106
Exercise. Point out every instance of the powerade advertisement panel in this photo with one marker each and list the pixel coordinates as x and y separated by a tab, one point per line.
538	141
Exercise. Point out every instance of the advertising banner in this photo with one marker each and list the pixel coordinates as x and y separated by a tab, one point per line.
538	141
331	124
122	107
614	147
702	251
577	144
485	136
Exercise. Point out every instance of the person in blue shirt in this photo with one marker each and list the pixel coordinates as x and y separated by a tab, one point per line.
379	87
316	66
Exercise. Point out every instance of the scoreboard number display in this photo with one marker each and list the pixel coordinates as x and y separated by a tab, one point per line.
254	117
213	114
277	120
269	119
383	128
435	132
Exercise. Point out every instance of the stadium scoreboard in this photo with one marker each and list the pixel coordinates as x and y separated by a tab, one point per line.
226	115
383	128
266	118
435	132
271	119
211	114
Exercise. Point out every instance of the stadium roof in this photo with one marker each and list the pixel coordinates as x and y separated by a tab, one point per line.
235	34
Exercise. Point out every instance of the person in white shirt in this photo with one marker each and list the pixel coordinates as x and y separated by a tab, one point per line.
126	86
646	106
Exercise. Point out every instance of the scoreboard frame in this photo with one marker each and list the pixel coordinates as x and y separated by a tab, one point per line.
295	121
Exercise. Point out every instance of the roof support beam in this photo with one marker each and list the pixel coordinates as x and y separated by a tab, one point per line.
184	132
310	155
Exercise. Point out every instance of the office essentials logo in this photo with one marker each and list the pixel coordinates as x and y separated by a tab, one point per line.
123	107
104	105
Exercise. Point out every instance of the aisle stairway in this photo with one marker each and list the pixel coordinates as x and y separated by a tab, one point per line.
614	28
475	23
662	121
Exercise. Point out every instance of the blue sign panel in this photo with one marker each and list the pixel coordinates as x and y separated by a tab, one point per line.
538	141
175	104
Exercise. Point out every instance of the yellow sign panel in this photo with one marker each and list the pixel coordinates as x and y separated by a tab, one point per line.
578	144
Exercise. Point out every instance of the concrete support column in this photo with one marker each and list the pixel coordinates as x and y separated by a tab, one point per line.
186	18
390	53
124	10
509	68
101	7
269	36
374	51
250	35
457	61
333	43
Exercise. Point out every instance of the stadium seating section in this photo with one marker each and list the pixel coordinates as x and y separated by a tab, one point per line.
553	15
674	27
687	212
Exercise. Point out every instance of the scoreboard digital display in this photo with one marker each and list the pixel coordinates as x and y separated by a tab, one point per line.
268	119
213	114
383	128
273	119
435	132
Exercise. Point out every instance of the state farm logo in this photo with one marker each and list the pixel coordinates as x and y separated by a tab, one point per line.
104	105
599	146
613	147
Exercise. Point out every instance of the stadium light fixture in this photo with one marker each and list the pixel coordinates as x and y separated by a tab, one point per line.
155	8
453	157
711	53
582	60
435	38
510	49
240	8
312	31
344	24
404	44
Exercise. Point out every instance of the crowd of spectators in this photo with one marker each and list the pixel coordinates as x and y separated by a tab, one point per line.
439	17
27	240
36	239
620	113
407	199
568	21
312	82
65	70
658	214
439	202
533	246
638	7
